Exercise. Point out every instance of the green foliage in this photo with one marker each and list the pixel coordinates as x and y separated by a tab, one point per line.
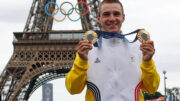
148	96
174	92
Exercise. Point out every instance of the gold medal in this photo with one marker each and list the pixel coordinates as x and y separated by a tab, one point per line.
90	36
143	36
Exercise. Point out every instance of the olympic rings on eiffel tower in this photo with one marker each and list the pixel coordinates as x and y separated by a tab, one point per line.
66	13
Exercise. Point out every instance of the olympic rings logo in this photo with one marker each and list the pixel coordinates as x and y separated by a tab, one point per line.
68	13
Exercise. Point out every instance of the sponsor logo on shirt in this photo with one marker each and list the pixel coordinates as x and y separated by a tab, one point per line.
97	60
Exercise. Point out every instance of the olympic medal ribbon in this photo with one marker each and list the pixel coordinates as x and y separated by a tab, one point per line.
106	35
141	35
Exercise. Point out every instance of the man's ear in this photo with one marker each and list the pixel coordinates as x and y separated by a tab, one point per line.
123	17
99	20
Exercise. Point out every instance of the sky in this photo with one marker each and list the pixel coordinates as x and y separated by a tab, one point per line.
161	18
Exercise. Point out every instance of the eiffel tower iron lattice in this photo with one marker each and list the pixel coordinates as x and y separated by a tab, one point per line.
41	54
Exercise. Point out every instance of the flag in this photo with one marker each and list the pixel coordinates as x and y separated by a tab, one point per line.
47	92
170	98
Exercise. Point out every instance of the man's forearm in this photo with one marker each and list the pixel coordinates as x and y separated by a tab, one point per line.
76	78
150	77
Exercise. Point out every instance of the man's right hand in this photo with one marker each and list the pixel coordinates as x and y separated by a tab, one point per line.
83	48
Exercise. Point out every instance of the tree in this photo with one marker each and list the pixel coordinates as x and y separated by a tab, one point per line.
174	92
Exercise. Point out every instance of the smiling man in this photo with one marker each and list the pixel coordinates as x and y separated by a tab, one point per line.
116	71
111	16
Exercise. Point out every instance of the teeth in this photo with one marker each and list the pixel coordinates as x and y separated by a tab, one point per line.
112	25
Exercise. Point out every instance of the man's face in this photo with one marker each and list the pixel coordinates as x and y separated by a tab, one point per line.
111	17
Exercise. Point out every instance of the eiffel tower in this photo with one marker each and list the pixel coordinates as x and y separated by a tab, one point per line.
40	53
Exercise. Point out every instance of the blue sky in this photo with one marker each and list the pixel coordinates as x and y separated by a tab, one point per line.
159	17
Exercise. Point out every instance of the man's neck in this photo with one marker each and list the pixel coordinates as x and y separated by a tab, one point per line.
120	32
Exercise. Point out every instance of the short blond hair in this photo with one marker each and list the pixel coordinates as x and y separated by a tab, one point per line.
110	1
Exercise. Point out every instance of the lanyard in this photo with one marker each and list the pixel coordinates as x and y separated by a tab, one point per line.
107	35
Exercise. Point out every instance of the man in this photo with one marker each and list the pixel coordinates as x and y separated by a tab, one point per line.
116	71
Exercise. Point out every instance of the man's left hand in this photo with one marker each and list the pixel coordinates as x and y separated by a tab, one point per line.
148	50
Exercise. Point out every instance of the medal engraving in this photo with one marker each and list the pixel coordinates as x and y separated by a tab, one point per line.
143	36
90	36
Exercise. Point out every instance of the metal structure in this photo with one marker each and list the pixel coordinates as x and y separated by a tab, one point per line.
165	95
41	54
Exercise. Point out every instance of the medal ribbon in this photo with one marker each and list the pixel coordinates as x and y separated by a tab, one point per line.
107	35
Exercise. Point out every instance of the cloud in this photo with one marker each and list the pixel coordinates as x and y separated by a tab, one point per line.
14	11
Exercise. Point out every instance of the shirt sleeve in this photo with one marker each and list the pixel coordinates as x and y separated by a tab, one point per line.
150	77
76	78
